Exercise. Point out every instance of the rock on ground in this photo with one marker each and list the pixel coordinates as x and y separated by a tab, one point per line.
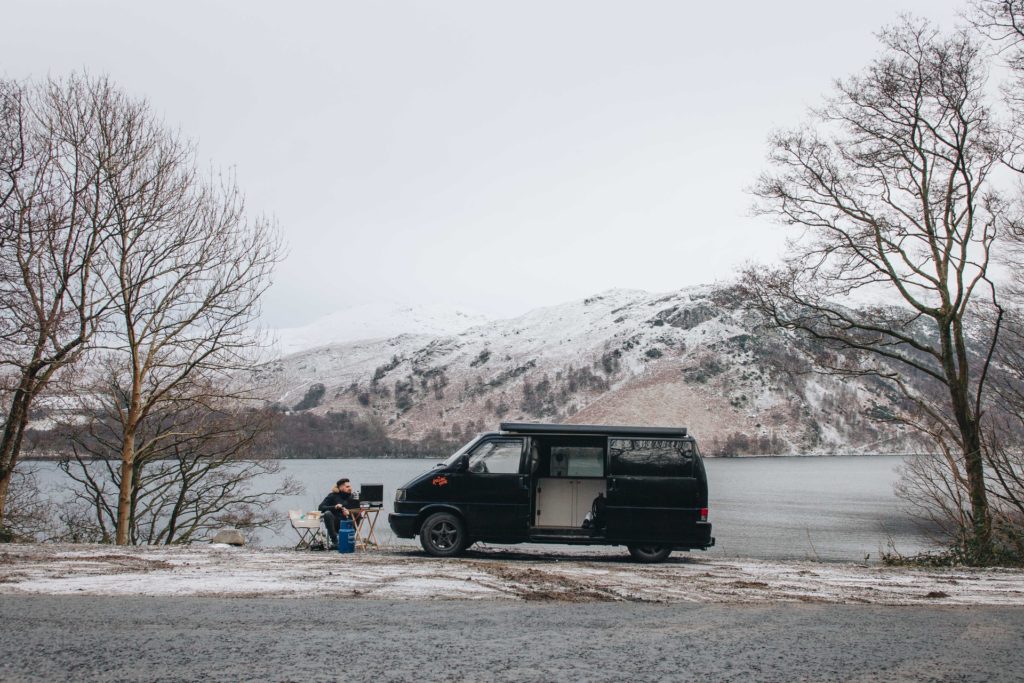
229	537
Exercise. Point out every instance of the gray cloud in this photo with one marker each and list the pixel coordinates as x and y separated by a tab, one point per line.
495	156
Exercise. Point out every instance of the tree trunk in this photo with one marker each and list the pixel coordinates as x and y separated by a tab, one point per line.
179	503
10	443
124	497
981	519
5	484
955	363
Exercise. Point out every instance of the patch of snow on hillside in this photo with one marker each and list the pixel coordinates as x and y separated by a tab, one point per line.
375	321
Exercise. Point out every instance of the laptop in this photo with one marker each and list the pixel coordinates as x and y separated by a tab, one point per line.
371	495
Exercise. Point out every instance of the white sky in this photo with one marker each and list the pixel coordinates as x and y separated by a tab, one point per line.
493	156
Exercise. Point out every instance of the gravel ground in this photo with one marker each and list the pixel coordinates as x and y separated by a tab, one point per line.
96	638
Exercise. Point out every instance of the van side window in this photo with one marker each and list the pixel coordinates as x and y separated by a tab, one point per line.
497	457
577	461
651	457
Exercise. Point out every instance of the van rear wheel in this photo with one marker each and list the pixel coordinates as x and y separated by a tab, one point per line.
443	535
649	554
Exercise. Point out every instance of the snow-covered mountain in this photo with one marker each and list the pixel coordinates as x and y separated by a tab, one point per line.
691	358
374	321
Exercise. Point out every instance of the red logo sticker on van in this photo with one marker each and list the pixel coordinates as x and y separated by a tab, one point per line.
440	481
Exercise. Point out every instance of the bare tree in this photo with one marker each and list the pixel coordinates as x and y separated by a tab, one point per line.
892	187
110	235
52	226
184	271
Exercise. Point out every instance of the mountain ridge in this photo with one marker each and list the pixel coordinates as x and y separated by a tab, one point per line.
380	320
693	357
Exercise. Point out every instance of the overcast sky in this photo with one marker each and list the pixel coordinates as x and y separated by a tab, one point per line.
492	156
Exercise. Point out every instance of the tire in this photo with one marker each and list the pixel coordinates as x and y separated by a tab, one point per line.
650	554
443	535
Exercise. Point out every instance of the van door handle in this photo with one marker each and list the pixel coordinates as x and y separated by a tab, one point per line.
611	485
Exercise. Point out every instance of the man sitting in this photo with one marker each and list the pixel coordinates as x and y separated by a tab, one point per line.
338	505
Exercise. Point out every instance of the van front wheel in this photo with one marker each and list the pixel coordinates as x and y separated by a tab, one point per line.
443	535
649	554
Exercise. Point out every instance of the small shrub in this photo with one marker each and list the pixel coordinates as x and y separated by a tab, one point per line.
314	396
610	362
403	395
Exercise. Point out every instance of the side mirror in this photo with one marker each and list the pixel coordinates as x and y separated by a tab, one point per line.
463	464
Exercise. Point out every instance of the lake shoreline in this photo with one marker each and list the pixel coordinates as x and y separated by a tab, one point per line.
57	458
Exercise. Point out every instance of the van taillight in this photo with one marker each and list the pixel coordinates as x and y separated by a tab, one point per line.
703	514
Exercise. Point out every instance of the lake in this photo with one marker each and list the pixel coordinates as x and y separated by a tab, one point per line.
828	508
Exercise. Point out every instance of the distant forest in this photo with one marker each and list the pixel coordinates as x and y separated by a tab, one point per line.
346	435
293	435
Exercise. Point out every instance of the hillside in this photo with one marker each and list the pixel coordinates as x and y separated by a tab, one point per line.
692	358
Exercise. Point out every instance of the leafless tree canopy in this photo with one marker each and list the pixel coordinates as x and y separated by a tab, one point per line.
891	185
53	223
1002	23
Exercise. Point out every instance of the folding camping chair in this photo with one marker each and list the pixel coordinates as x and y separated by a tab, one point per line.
307	526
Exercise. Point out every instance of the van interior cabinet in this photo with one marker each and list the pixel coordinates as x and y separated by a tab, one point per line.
565	502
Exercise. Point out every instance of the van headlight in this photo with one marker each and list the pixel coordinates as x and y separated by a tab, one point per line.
399	495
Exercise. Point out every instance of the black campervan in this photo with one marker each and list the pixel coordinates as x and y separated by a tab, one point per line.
642	487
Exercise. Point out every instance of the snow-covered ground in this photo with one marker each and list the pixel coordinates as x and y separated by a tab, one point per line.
489	574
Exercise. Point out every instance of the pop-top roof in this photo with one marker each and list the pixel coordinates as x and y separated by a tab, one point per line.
612	430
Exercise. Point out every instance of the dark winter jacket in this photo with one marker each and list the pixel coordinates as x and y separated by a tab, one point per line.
336	497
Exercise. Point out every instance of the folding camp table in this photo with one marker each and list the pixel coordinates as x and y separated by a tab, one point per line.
307	526
365	536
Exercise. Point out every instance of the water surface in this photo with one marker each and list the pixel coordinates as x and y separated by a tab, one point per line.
828	508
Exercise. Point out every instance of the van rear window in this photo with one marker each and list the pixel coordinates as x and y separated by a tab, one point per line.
651	457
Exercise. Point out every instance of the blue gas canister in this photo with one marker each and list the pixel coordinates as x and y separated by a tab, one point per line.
346	536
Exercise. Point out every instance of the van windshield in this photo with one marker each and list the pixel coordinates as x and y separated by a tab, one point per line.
454	457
